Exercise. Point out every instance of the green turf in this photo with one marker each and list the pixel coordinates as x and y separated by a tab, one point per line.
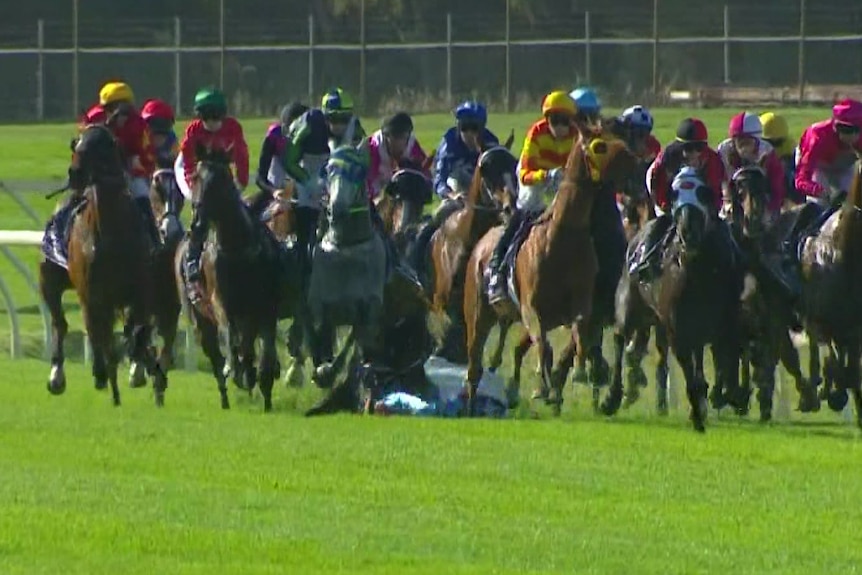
87	488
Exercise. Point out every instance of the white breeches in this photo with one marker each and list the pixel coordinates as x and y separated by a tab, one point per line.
180	176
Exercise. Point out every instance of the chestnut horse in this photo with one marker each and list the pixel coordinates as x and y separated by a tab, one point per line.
108	265
442	262
554	275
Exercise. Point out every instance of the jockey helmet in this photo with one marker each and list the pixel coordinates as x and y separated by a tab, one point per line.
115	92
558	102
398	125
691	130
848	111
290	113
337	103
774	126
637	117
159	115
471	111
745	124
586	100
210	104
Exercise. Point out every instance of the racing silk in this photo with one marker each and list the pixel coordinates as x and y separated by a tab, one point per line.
166	154
823	160
614	129
453	155
229	139
668	164
354	135
765	158
305	155
382	166
270	167
133	138
543	152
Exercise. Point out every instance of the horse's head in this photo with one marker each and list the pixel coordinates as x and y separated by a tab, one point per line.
493	184
411	188
750	193
690	212
601	164
97	154
213	182
346	171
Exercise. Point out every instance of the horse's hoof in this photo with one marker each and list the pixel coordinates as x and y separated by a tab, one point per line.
227	371
539	394
225	404
57	381
160	399
610	406
717	399
294	376
513	396
636	378
137	375
323	376
631	396
808	402
580	375
837	399
765	415
100	384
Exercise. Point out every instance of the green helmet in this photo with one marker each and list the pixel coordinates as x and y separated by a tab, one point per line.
337	102
210	104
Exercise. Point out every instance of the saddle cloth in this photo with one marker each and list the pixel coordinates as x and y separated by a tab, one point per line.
55	241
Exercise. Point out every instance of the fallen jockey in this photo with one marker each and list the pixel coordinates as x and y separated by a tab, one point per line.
211	128
689	150
543	159
828	151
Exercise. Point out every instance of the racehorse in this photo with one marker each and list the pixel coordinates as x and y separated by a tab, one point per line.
166	200
349	265
692	303
554	272
242	279
442	262
765	318
108	265
831	268
401	203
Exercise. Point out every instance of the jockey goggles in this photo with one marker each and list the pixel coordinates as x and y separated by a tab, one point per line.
559	119
693	146
469	126
843	128
338	117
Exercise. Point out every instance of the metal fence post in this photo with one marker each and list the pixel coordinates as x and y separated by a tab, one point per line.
221	45
40	71
178	74
76	108
362	54
801	63
449	58
655	49
587	49
726	44
508	56
311	58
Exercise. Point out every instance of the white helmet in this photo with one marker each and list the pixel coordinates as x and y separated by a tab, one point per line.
637	116
687	179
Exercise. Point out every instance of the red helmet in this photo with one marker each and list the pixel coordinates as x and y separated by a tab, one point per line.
157	109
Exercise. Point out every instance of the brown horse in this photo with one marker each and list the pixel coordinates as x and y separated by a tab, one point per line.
166	201
766	316
554	275
243	280
442	261
831	269
108	265
401	203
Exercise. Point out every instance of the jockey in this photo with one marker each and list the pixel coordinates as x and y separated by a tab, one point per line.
392	142
344	126
271	175
159	117
777	133
634	126
745	147
116	99
211	128
543	159
691	149
589	106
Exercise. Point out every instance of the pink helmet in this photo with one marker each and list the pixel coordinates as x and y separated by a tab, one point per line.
848	111
745	124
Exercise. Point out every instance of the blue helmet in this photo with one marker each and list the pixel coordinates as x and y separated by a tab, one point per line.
471	110
586	100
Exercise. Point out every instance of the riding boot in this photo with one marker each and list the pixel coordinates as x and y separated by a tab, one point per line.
197	237
496	273
149	219
644	267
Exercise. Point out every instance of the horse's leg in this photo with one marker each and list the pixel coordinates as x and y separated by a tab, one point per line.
747	356
209	339
546	353
693	384
268	359
635	352
479	320
763	358
661	370
99	323
611	404
513	387
789	355
566	360
599	368
246	339
497	356
837	399
53	281
295	376
852	373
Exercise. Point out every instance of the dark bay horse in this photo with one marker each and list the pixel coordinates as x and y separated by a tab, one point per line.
401	203
442	262
831	268
692	303
554	275
243	280
108	265
766	315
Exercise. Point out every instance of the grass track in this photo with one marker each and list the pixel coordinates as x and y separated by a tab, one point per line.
87	488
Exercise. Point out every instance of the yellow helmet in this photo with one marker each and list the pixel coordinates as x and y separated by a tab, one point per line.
774	126
559	102
115	92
